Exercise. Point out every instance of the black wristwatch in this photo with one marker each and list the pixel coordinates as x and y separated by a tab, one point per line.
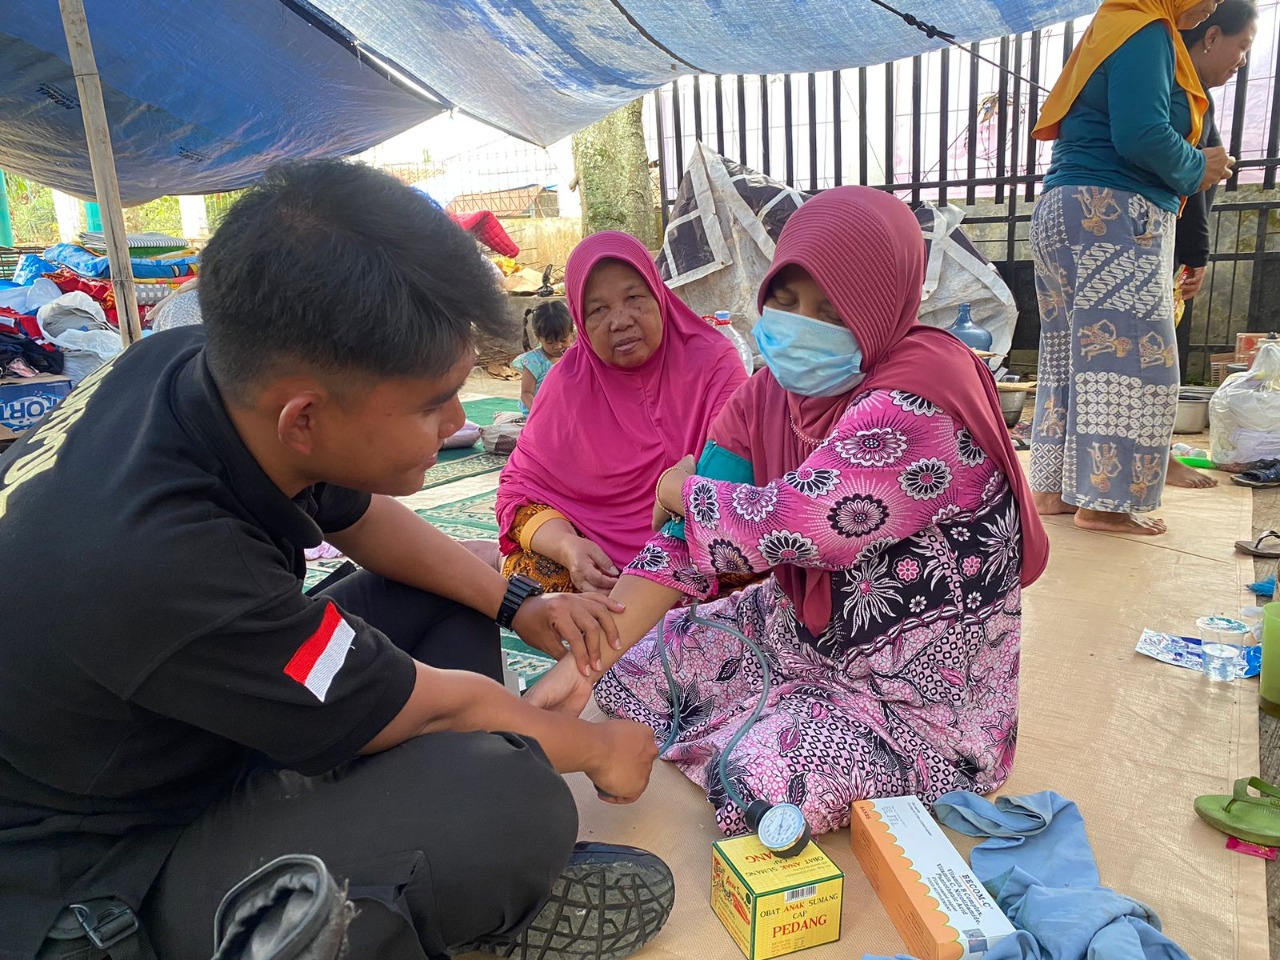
519	589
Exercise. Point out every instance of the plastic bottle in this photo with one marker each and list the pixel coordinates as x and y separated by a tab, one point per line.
723	322
968	332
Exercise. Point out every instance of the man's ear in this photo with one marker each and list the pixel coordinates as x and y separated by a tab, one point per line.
296	425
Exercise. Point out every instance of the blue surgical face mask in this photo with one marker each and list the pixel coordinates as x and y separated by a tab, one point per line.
806	356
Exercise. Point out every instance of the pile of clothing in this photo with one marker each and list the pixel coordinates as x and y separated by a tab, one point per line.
59	314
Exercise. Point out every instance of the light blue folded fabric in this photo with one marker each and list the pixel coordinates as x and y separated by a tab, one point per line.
1040	869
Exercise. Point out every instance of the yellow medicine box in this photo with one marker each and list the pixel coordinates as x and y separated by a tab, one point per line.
940	909
773	906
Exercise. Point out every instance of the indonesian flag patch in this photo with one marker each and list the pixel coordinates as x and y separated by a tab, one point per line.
320	658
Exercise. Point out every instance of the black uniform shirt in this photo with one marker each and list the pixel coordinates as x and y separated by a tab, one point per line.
154	634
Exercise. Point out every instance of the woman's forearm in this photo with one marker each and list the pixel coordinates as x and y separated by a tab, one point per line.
553	539
646	603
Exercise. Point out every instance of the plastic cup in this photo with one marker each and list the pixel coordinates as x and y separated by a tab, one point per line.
1219	648
1220	660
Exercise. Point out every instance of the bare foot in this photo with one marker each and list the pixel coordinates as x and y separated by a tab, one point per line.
1180	475
1051	504
1119	523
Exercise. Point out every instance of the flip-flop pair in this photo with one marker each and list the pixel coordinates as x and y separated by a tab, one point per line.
1254	819
1258	548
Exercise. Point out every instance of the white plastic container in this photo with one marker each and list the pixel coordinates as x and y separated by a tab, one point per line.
724	323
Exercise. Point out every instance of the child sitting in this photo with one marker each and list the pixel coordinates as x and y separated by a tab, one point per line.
553	326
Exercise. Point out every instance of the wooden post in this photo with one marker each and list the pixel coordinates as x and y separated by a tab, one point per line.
102	161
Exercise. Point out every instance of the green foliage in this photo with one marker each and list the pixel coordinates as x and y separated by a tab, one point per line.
31	207
159	216
217	205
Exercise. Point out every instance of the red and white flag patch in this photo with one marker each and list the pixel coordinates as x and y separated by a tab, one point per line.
320	658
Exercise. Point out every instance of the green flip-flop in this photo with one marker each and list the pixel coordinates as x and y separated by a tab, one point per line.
1242	815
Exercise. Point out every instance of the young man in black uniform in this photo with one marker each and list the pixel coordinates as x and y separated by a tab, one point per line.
175	712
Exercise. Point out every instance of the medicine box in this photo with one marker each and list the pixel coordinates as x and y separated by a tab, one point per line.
23	401
773	906
940	909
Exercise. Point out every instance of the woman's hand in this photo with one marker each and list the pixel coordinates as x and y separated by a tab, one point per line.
589	567
1217	166
670	492
562	689
1189	285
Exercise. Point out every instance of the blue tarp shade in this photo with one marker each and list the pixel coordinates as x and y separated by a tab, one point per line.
544	68
202	95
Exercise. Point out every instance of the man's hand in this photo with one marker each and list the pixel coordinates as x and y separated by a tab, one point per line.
585	622
622	767
562	689
1189	286
589	567
1217	166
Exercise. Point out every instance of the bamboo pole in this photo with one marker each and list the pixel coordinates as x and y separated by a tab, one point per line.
102	161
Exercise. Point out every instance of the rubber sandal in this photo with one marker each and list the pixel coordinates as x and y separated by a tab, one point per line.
1242	815
1264	474
1256	549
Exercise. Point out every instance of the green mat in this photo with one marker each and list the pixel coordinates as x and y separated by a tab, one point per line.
473	518
466	462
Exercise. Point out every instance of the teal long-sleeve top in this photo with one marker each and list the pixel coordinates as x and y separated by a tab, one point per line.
1127	130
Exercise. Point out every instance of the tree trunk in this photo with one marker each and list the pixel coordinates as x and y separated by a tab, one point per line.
613	176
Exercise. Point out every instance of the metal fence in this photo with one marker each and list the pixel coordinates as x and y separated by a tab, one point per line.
954	126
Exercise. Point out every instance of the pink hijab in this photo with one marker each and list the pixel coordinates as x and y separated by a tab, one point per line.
599	435
864	249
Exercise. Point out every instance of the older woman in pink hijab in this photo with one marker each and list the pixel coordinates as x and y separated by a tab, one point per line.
637	392
876	482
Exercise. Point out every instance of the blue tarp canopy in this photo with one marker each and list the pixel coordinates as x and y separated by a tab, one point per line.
203	95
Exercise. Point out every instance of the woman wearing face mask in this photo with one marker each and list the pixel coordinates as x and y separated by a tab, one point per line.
880	490
1126	116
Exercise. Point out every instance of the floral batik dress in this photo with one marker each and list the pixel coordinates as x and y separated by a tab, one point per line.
911	688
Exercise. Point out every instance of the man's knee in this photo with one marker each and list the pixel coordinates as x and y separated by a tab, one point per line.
527	800
510	839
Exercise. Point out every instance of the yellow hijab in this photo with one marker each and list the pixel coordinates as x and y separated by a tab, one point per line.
1114	23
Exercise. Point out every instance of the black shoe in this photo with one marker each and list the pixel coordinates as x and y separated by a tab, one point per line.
608	903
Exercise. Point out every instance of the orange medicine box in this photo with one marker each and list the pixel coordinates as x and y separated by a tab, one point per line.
940	909
773	906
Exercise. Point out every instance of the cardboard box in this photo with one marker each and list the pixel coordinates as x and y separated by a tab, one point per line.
772	906
940	909
1247	345
24	401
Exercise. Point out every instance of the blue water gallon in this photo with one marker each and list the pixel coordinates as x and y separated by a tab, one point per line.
968	332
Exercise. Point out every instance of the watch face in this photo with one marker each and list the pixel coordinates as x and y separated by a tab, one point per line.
781	827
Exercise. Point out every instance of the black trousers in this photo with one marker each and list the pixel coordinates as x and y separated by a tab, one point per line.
445	839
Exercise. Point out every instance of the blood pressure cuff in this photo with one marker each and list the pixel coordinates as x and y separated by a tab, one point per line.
716	463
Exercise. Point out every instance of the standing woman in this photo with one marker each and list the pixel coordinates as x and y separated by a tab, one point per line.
1218	47
1126	115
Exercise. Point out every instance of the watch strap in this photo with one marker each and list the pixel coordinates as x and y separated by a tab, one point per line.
519	589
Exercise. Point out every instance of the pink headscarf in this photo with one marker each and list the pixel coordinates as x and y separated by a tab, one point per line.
599	434
864	249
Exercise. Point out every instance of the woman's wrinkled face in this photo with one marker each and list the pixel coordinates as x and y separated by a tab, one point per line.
621	315
1192	16
1218	56
794	291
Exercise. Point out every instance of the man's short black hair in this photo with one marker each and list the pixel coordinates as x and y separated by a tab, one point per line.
1231	17
339	268
552	321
